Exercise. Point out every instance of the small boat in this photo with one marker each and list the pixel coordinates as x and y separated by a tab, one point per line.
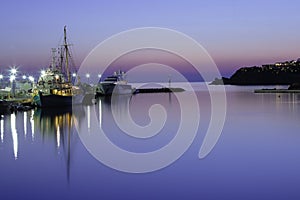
15	104
115	84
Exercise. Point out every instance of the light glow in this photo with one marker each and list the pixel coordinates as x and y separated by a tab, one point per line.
32	125
43	73
14	135
25	124
12	78
31	78
13	71
2	129
58	137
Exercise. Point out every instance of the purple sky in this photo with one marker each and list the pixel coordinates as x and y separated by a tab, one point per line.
235	33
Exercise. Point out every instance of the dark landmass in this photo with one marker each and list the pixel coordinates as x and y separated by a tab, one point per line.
295	86
285	73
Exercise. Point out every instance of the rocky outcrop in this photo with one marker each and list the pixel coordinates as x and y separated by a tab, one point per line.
285	73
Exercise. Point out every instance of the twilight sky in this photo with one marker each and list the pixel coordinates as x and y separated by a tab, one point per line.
235	33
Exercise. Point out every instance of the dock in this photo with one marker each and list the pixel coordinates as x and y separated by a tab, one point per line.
276	91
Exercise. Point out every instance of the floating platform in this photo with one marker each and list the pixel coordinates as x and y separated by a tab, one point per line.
276	91
158	90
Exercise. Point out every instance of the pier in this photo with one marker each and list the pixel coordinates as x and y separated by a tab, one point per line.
158	90
276	91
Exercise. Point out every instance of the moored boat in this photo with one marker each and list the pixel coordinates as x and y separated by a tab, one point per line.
54	87
115	84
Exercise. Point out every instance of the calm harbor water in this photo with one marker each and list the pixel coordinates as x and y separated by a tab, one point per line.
256	157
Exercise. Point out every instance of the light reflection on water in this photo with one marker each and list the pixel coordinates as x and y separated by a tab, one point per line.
14	134
257	156
2	128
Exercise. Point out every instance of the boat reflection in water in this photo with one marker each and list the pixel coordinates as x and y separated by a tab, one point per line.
129	122
59	125
21	132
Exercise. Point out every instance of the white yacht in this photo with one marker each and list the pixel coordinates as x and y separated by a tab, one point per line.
115	84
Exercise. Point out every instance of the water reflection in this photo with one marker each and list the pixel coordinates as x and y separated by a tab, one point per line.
50	121
14	134
58	137
50	125
25	124
58	124
45	143
89	117
2	127
100	113
282	101
32	124
125	119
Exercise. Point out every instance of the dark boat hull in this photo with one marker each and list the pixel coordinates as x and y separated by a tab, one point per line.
107	89
55	100
5	107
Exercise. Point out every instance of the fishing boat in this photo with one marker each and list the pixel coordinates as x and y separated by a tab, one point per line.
115	84
54	87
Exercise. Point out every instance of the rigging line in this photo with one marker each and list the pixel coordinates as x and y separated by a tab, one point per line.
60	40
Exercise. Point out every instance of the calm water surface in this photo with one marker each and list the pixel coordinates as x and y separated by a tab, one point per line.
256	157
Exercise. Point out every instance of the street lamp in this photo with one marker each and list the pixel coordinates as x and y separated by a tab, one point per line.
43	73
30	78
1	77
57	77
74	75
24	77
13	71
12	78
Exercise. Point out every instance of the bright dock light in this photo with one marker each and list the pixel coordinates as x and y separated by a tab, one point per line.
74	74
24	77
12	78
1	76
87	75
13	71
31	78
43	73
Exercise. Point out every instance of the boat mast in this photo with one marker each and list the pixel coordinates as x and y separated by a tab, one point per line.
67	54
53	64
61	59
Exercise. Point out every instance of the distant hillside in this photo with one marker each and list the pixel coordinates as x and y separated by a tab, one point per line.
281	73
